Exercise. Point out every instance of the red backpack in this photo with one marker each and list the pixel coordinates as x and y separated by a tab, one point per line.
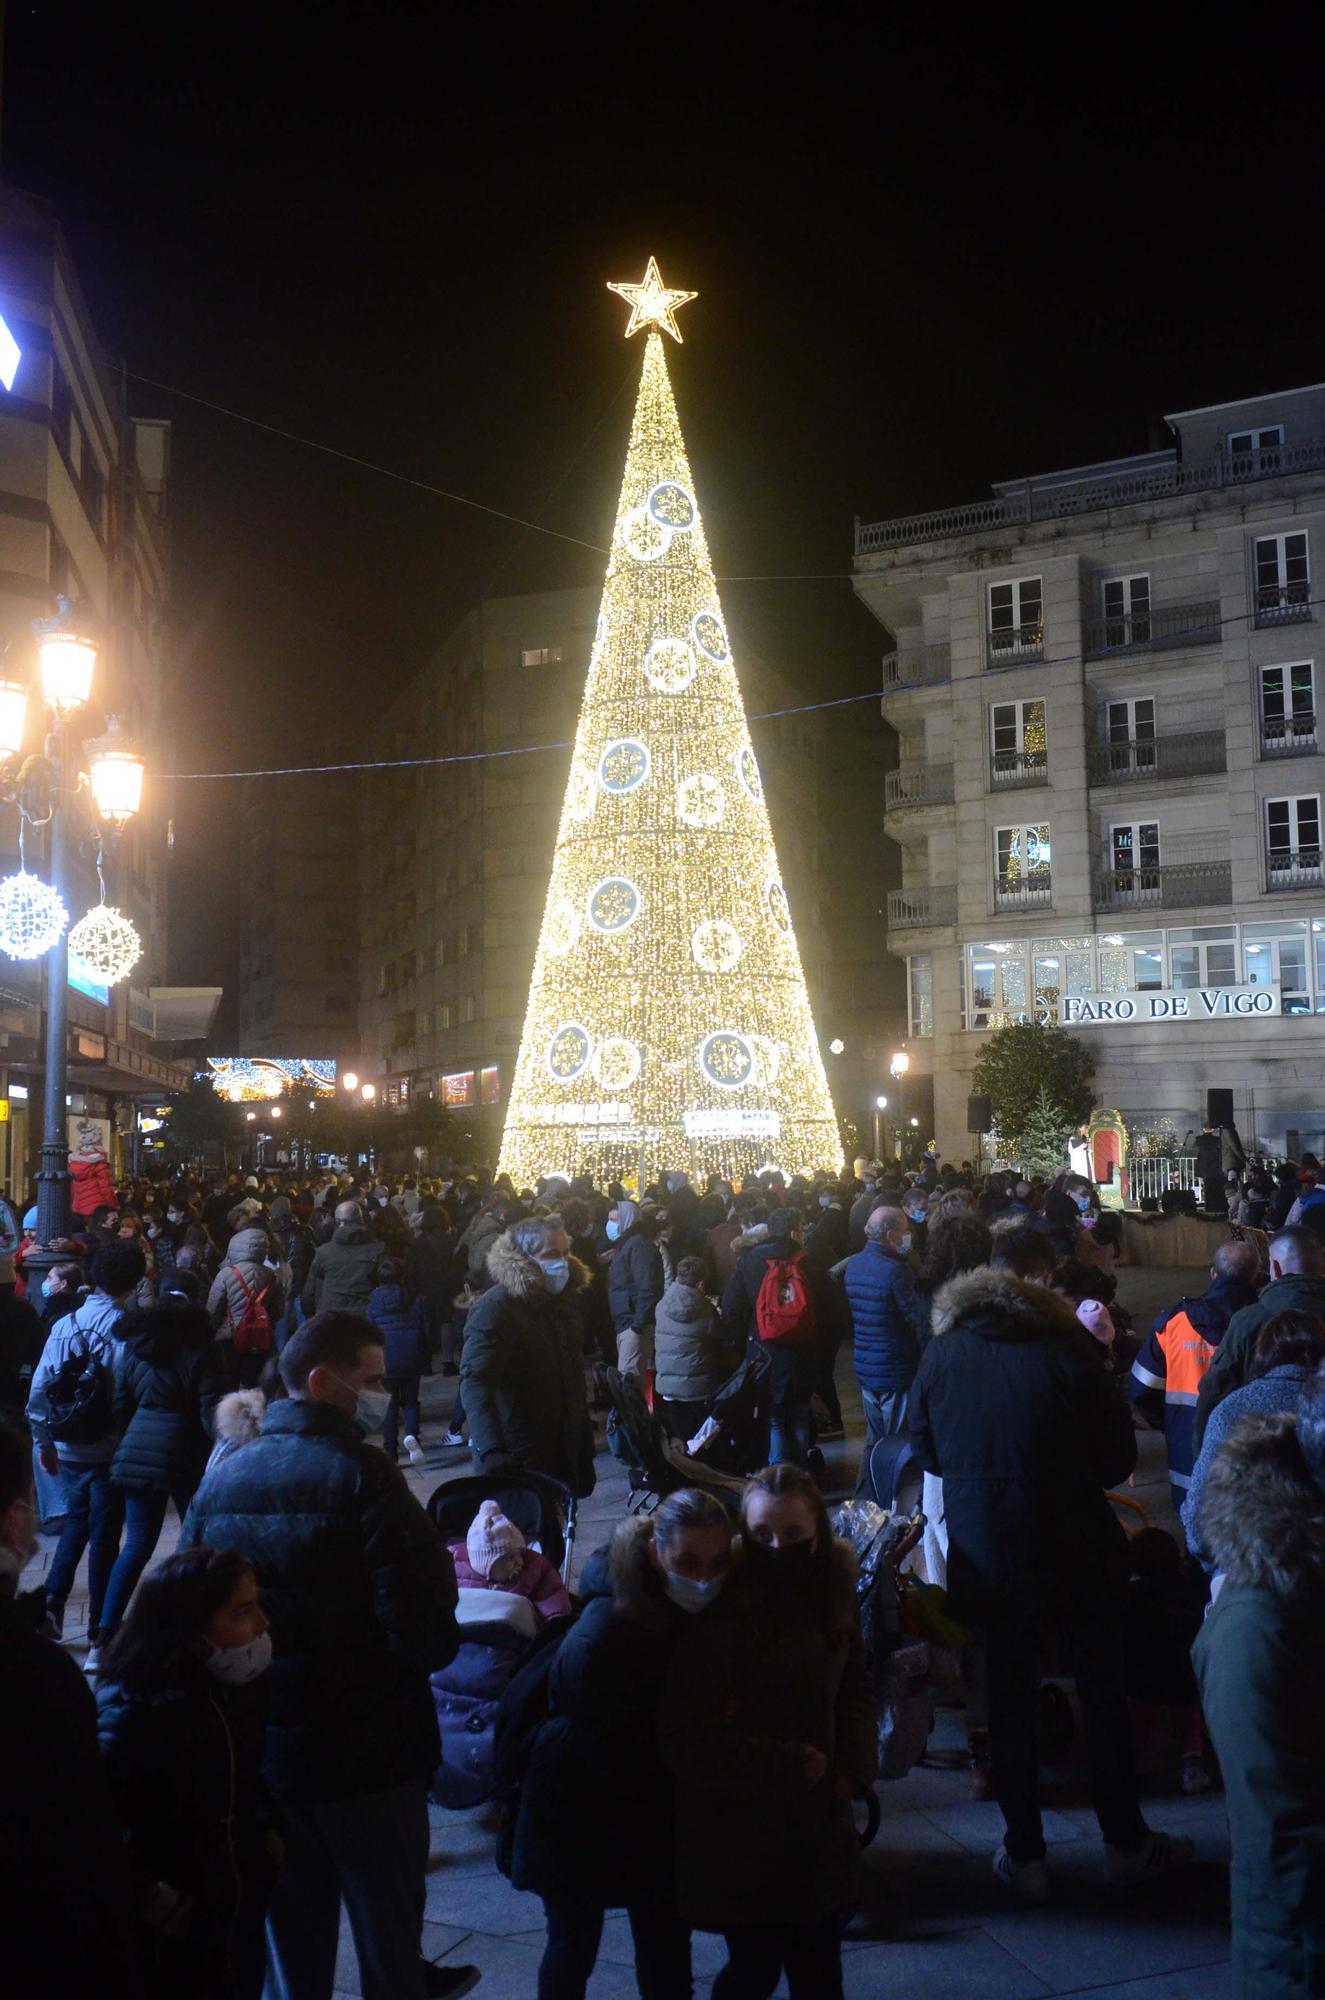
251	1332
784	1309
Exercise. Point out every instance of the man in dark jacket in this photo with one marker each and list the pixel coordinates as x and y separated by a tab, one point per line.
343	1274
793	1364
522	1371
1257	1659
361	1593
1210	1168
1297	1284
1014	1410
1166	1375
889	1319
634	1284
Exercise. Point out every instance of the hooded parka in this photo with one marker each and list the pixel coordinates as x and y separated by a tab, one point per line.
522	1372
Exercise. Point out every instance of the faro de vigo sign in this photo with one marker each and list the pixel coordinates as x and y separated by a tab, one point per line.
1193	1003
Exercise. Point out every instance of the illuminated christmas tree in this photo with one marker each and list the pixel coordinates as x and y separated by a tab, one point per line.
668	1023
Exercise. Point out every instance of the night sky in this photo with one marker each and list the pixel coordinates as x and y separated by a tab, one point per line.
926	258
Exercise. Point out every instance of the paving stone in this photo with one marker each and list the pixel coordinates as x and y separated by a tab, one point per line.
959	1965
481	1903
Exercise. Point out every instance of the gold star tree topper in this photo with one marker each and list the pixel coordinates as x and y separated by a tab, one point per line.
652	303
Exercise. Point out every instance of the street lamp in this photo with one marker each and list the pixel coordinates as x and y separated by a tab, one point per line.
880	1106
349	1081
368	1092
899	1066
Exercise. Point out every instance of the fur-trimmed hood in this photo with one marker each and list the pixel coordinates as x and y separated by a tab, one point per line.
751	1238
239	1415
1262	1514
521	1274
1023	1309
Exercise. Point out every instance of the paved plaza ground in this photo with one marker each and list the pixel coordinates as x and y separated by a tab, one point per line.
935	1925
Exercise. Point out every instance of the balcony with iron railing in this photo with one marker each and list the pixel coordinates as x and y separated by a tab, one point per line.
1024	892
916	667
918	785
1009	645
1061	499
1293	868
1289	736
1283	604
1173	885
1156	630
918	909
1183	754
1012	770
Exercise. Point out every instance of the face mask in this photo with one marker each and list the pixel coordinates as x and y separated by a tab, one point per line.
47	1289
370	1407
234	1666
556	1273
1083	1203
825	1201
613	1229
173	1215
903	1244
915	1214
687	1593
788	1568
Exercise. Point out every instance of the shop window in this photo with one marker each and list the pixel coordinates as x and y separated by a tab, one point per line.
490	1084
458	1088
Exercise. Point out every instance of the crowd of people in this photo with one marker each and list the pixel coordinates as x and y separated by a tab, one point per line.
248	1743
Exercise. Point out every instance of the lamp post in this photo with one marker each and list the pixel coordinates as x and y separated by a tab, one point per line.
899	1066
880	1106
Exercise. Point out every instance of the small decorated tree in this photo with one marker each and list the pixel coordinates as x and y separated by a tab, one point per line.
1044	1140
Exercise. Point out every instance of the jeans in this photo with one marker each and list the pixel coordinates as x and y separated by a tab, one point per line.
94	1513
885	1416
1014	1647
404	1400
372	1852
791	1381
758	1954
144	1514
575	1929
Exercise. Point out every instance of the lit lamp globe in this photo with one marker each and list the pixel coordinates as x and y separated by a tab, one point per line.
67	666
368	1092
117	785
349	1081
881	1103
900	1063
13	717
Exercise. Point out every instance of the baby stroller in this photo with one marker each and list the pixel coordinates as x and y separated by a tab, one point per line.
499	1631
657	1462
900	1664
895	1475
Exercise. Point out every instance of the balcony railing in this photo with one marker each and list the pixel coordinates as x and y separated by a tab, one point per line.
919	666
1006	645
1290	736
918	785
912	909
1009	769
1058	500
1167	625
1197	754
1283	603
1174	885
1023	892
1295	868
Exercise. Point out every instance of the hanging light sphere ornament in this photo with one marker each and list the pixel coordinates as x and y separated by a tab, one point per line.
105	944
32	917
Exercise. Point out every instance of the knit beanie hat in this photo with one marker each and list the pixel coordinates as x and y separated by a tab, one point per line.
490	1537
1096	1319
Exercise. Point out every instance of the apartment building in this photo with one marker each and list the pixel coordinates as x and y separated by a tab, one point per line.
298	946
1108	800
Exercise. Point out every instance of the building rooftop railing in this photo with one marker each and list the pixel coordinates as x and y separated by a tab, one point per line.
915	909
1060	501
918	785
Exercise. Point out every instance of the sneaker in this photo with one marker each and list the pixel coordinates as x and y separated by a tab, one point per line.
1195	1777
1028	1880
454	1437
415	1450
1158	1854
448	1982
92	1662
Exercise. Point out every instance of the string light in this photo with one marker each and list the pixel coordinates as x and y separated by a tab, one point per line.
668	1022
105	944
651	303
32	917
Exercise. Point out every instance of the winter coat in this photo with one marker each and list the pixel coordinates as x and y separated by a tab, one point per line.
889	1319
295	1240
753	1682
360	1592
634	1281
1231	1363
522	1373
1273	1394
826	1234
245	1265
1013	1408
1166	1374
400	1321
22	1337
89	1330
720	1253
343	1273
689	1356
1209	1157
539	1580
1257	1662
742	1293
475	1242
428	1269
185	1775
237	1421
595	1816
166	1392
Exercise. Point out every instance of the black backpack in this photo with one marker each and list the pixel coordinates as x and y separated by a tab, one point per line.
80	1400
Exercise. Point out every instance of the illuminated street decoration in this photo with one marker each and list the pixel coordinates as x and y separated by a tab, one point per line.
243	1079
668	1023
105	944
32	917
651	303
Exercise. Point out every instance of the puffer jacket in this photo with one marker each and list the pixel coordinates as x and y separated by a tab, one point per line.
91	1329
634	1280
360	1591
689	1355
522	1372
400	1321
344	1271
889	1319
1230	1365
245	1265
166	1392
1257	1659
1013	1407
1276	1392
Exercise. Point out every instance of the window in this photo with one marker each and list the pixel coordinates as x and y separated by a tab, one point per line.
1061	966
1131	729
1131	962
1135	846
540	656
458	1088
1016	621
1018	743
466	1014
920	995
1288	709
1021	865
1257	450
1292	843
1283	579
444	1015
489	1080
462	942
1127	611
1276	955
1204	956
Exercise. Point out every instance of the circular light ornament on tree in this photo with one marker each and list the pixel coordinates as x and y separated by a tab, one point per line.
615	1063
563	928
624	764
613	905
105	944
700	801
727	1059
32	917
715	945
747	770
569	1052
671	506
643	537
778	907
710	635
670	665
